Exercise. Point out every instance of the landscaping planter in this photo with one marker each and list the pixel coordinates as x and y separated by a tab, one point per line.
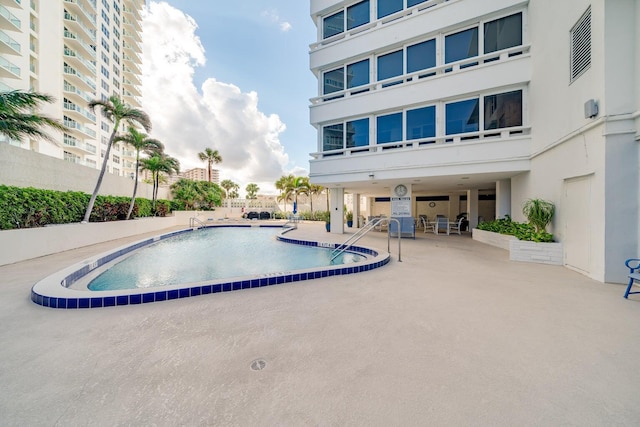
521	250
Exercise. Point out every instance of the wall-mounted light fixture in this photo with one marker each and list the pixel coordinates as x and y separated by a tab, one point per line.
590	109
371	175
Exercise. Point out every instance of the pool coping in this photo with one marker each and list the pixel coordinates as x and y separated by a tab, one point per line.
53	291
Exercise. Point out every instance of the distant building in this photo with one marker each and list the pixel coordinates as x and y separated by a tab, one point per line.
200	174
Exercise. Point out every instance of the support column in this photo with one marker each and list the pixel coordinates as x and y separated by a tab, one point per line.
356	210
472	208
503	198
336	206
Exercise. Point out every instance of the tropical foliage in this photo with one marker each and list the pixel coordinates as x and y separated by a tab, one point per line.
140	142
539	213
17	116
33	207
159	164
521	231
210	156
252	191
116	111
291	187
196	194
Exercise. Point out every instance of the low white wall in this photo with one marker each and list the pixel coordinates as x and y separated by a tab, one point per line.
493	239
541	253
26	168
23	244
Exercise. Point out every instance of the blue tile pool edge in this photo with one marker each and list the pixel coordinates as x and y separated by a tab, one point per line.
374	260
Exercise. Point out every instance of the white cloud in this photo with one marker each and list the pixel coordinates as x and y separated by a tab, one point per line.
274	17
219	116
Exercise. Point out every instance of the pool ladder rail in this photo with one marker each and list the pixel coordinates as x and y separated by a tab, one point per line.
196	223
364	230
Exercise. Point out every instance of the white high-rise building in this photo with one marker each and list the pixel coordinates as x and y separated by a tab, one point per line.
75	51
478	105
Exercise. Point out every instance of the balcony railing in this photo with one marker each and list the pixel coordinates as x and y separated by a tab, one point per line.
89	65
72	89
6	14
90	16
471	137
72	36
418	76
10	67
14	45
72	124
72	71
90	32
73	107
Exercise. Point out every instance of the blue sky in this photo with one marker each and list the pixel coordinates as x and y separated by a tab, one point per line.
252	58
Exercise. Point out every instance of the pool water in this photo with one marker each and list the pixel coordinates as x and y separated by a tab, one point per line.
213	253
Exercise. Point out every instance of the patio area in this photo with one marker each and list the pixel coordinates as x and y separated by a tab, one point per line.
454	335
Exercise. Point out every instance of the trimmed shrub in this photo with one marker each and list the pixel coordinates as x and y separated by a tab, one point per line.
520	230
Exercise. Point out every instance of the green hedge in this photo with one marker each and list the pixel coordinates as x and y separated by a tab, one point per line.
33	207
522	231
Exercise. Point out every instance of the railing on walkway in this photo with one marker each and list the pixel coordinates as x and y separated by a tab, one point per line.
364	230
196	223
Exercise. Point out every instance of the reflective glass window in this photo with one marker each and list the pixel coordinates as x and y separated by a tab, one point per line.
462	117
333	137
415	2
421	56
333	25
389	128
421	123
390	65
357	133
358	14
461	45
358	74
503	110
333	81
503	33
387	7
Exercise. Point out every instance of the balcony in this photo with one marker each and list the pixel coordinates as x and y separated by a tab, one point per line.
72	124
74	143
132	23
8	46
8	69
74	59
77	111
75	6
78	79
78	43
73	22
132	46
135	35
8	20
77	94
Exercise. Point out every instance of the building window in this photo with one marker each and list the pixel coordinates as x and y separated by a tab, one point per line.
333	137
387	7
358	14
503	33
421	56
421	123
116	159
389	128
461	45
357	133
462	116
390	65
333	25
581	45
358	74
415	2
503	110
105	126
333	81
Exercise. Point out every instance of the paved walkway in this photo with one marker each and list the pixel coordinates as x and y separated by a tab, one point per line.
455	335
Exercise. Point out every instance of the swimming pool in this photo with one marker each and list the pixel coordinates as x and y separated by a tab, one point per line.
69	288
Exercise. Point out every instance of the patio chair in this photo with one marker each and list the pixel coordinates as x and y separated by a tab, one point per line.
456	227
633	264
441	223
428	226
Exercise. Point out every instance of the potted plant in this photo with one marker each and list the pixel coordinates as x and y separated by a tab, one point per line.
349	219
326	217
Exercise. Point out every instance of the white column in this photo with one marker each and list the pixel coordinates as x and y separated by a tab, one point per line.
356	209
503	198
336	204
472	208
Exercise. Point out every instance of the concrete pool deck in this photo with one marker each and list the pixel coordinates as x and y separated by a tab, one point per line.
455	335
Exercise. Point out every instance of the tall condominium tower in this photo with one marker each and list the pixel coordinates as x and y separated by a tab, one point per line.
76	51
451	107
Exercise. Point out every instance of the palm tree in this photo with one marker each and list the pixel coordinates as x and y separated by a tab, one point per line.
159	163
210	156
140	142
116	111
314	190
300	186
227	184
285	185
17	119
252	191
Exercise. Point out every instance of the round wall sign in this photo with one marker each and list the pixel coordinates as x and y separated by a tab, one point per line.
432	204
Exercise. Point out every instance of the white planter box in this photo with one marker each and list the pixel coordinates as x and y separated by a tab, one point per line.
494	239
521	250
542	253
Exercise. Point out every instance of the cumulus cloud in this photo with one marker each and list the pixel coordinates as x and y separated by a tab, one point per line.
274	17
219	115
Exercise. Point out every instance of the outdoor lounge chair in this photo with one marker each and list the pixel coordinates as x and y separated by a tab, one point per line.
428	226
634	265
456	227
